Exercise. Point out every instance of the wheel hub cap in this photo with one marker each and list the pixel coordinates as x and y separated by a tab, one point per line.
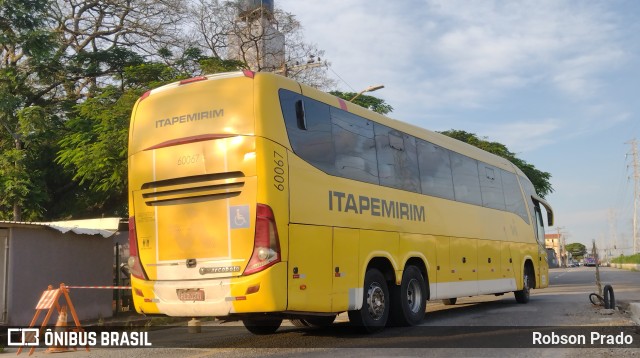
375	301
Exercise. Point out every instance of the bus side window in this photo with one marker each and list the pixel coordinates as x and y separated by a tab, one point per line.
466	183
397	159
513	195
309	129
355	147
435	170
539	223
491	187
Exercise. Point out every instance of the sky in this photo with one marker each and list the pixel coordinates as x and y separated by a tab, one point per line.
556	81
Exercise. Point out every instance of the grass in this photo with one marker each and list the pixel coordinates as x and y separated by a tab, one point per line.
633	259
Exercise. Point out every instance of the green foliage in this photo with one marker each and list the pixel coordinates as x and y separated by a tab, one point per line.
218	65
21	23
95	148
193	62
540	179
148	75
25	130
370	102
633	259
577	250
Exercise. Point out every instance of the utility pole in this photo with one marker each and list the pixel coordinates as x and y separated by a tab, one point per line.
561	246
286	70
636	190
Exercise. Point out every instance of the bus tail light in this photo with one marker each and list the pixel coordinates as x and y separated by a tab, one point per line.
266	245
135	267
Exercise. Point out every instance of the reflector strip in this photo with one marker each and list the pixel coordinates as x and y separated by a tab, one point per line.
249	73
187	140
194	79
47	299
145	95
343	104
102	287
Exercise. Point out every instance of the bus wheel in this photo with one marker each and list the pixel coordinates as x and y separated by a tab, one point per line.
373	315
450	301
523	295
262	325
409	300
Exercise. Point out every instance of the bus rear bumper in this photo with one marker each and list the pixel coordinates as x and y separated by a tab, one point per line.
261	292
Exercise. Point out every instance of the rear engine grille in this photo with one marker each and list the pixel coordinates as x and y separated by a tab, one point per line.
193	189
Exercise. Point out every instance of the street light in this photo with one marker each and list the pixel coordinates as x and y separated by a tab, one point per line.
368	89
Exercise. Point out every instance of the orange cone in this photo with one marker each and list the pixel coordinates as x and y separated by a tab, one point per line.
61	326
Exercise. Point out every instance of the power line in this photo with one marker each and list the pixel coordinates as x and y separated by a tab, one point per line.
341	79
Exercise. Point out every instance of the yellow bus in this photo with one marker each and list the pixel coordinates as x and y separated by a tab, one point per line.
253	197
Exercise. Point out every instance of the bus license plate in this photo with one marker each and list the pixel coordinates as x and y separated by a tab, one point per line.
190	295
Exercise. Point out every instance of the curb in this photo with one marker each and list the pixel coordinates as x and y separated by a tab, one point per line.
635	312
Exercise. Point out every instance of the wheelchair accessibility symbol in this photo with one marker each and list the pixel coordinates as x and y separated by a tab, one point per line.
239	217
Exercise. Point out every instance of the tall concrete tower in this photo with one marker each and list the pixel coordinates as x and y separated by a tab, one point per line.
255	40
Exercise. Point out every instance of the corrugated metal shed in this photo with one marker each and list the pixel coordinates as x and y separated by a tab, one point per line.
106	227
39	254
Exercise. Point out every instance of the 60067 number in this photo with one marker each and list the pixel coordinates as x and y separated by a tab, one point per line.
278	171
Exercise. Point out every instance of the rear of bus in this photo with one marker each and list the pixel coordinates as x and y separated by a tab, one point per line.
205	231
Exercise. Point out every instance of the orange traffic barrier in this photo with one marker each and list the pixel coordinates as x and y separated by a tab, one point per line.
48	301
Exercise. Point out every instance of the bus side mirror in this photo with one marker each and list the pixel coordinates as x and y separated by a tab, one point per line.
300	115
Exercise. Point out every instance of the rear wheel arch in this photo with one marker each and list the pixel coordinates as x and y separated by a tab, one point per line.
528	282
385	266
422	267
528	265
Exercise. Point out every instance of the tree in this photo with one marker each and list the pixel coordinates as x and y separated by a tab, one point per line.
95	147
370	102
71	72
577	250
56	54
539	179
26	46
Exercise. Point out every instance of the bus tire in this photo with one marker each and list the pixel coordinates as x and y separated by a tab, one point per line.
262	326
409	300
373	315
523	296
449	301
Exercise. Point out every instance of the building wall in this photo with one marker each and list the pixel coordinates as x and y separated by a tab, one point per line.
552	241
39	257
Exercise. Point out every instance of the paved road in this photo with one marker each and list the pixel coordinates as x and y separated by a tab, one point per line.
446	330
